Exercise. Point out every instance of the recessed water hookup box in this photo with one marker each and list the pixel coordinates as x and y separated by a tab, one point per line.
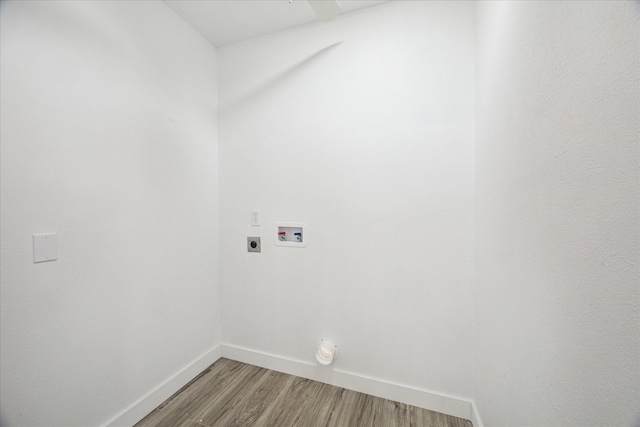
291	234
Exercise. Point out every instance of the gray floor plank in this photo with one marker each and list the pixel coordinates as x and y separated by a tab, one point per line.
225	399
319	405
286	408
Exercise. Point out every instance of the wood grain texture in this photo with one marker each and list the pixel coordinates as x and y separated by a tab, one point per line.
230	393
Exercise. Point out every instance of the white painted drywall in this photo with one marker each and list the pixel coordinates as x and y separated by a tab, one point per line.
109	139
557	328
362	128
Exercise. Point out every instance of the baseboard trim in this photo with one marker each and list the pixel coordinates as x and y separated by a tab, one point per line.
155	397
446	404
475	416
440	402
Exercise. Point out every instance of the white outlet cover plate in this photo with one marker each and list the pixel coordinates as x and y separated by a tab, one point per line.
45	247
255	218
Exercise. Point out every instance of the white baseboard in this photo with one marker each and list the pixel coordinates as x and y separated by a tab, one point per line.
475	416
446	404
439	402
155	397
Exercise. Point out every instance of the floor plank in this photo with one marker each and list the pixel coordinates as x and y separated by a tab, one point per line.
230	393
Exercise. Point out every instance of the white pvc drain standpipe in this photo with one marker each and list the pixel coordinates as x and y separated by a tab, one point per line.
326	352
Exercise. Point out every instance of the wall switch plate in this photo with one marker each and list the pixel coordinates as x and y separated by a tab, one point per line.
255	218
45	247
253	244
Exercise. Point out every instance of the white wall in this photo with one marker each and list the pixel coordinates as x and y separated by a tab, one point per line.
109	138
363	129
557	323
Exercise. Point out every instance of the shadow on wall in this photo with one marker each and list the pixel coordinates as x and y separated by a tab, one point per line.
261	88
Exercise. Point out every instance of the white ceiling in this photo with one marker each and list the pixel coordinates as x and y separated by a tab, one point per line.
224	22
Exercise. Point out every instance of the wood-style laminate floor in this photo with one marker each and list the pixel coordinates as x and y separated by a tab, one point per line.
230	393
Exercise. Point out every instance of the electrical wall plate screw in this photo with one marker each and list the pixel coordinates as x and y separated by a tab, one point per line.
253	244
